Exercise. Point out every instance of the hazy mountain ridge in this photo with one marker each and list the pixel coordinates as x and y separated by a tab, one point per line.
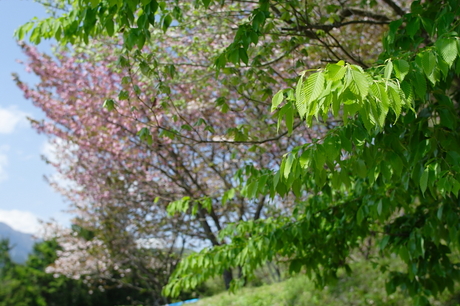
21	243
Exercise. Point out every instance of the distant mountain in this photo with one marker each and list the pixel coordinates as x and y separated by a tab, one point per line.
21	243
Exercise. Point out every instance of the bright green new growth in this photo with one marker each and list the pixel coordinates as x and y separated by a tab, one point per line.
359	92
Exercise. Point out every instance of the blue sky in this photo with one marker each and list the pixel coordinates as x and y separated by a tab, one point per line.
24	194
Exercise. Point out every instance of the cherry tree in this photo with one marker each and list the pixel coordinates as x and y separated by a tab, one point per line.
134	139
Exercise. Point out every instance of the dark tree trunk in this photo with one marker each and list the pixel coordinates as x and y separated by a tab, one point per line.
274	271
228	277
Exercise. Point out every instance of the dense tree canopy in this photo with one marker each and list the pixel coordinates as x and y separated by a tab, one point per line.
378	159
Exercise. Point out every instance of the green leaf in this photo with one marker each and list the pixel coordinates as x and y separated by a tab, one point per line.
126	80
36	35
401	68
359	84
166	22
109	26
320	157
186	127
194	209
123	61
228	195
289	119
388	70
199	122
455	187
428	63
206	3
420	85
335	104
258	20
335	72
251	191
448	49
109	104
447	118
360	215
413	26
332	148
130	38
313	87
299	98
233	55
287	166
380	94
428	25
404	254
360	168
277	99
144	135
140	40
346	142
380	206
181	205
20	32
142	21
244	55
295	266
443	67
439	213
395	99
305	159
94	3
123	95
424	180
384	242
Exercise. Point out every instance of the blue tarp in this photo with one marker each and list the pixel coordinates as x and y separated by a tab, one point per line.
182	303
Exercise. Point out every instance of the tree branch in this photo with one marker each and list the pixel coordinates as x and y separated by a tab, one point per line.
398	10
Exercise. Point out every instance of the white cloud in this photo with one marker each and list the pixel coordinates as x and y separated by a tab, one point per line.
54	150
49	151
23	221
10	118
3	162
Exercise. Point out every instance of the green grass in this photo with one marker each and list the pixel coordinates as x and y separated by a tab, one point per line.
366	286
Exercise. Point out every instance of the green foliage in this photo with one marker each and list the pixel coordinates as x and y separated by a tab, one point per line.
109	104
30	285
134	20
88	19
144	135
388	166
390	169
352	90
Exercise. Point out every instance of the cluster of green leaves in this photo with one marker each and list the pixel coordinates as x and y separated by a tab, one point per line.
390	169
350	92
90	18
185	205
248	33
83	19
29	285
